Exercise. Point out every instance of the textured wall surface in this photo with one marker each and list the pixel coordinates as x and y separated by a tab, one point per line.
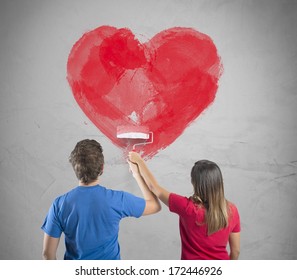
250	130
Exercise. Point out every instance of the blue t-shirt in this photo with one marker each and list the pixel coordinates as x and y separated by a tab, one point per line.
89	218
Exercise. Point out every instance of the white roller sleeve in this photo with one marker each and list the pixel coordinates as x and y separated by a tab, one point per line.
133	135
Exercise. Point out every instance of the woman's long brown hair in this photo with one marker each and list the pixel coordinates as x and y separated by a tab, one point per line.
208	187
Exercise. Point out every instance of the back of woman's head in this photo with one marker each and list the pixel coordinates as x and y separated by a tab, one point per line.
207	181
87	160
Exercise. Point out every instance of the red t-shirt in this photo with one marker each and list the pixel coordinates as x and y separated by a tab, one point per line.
196	244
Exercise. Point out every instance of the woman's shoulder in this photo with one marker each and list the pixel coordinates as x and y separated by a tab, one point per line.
178	203
181	199
232	205
233	209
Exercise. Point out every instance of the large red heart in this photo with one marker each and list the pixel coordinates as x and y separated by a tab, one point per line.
162	85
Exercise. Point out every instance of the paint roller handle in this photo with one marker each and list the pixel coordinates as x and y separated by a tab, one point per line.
151	137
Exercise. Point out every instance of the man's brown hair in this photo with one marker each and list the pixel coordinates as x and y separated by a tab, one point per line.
87	160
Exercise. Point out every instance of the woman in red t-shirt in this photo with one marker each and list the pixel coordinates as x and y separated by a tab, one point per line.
207	221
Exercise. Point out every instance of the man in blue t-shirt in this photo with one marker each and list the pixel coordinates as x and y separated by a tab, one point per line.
89	214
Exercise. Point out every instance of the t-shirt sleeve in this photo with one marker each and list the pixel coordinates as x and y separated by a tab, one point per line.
51	224
133	206
178	204
236	219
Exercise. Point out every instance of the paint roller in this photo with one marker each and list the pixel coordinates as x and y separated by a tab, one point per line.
134	132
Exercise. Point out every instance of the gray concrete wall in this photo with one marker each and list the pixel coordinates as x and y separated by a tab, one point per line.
250	130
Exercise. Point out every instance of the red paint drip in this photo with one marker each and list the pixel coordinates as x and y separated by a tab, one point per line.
162	85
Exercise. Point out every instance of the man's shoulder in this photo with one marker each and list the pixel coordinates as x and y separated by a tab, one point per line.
62	196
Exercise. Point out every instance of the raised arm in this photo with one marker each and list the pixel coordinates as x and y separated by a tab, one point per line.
149	178
152	203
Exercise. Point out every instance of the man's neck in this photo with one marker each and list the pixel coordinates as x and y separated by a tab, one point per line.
91	184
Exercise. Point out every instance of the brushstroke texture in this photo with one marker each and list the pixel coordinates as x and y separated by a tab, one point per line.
163	84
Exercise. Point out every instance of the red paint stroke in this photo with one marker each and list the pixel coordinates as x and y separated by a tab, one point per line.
162	85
